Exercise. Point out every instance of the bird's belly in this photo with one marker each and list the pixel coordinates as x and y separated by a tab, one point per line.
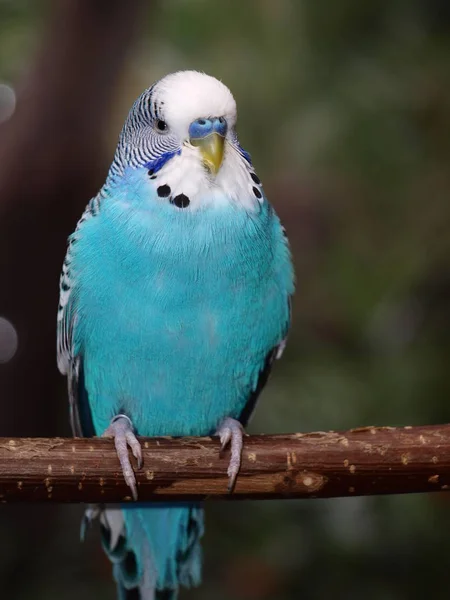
180	370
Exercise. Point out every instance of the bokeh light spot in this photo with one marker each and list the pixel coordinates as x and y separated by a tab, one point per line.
7	102
9	340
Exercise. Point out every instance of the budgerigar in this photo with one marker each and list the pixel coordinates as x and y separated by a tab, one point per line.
174	302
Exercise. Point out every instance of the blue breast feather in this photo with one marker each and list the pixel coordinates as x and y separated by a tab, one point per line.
176	310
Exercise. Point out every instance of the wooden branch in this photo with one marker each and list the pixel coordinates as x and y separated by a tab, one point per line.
364	461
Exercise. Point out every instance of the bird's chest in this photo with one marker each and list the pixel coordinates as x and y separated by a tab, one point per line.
180	322
179	296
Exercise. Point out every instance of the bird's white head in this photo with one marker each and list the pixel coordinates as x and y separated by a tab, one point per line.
187	96
182	130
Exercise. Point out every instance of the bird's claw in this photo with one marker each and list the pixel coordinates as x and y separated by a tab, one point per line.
231	432
121	429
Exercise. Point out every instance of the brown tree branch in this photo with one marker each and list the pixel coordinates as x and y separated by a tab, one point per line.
364	461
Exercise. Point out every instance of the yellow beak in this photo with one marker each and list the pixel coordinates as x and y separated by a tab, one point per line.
211	148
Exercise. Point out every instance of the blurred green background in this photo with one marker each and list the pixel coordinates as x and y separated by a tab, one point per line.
345	108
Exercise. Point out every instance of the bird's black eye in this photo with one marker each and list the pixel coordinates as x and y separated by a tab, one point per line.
161	125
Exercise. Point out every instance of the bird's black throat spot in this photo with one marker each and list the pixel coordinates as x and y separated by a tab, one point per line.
255	178
163	191
257	192
182	201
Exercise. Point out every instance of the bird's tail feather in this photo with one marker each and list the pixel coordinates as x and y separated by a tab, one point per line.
153	548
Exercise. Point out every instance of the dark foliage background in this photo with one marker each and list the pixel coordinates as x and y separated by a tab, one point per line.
345	107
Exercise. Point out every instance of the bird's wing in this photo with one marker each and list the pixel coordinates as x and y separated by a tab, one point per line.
70	363
266	368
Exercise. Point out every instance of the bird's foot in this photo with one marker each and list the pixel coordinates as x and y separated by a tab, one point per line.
231	432
121	429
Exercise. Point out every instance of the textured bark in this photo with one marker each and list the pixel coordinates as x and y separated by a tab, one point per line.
364	461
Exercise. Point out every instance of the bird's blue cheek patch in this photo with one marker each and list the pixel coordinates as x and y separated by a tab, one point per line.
155	165
245	154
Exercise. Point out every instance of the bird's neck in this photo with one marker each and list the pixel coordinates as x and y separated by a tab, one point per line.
224	235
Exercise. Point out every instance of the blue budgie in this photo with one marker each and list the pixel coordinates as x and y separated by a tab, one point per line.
174	303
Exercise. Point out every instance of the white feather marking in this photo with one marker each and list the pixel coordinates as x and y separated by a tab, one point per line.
185	174
65	318
281	348
112	519
63	298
